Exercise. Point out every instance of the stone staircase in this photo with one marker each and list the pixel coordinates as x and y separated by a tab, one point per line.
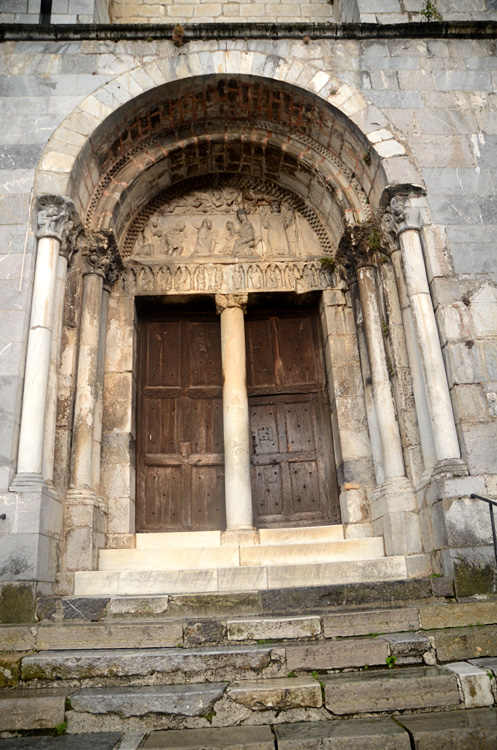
375	666
211	561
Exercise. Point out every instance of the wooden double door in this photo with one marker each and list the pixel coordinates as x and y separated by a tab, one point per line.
180	460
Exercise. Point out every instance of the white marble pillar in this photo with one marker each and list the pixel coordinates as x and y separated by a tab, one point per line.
430	352
53	214
388	428
238	490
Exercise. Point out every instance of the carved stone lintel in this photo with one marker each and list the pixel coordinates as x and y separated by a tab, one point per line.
54	211
223	301
404	215
101	255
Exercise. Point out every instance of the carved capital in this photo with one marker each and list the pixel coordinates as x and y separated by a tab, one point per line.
360	246
101	256
389	236
223	301
54	211
70	237
404	216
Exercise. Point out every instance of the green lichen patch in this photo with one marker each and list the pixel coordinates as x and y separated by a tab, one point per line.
17	604
471	578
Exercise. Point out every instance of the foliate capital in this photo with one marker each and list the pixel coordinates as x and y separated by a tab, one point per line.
100	254
54	212
223	301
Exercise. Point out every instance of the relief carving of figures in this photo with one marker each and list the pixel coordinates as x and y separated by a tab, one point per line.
255	280
292	274
182	279
174	239
150	232
164	279
238	277
146	281
200	279
273	277
53	213
276	224
245	241
218	277
206	239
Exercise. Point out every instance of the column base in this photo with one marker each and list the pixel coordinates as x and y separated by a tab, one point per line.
84	529
239	536
28	482
455	467
394	515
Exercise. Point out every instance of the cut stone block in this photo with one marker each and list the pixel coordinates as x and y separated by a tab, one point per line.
303	534
371	621
293	554
179	540
195	558
205	632
355	571
467	730
228	661
436	616
90	608
225	738
490	664
408	648
390	690
10	665
26	710
466	643
186	700
337	655
286	692
274	627
14	638
359	734
103	636
138	606
100	741
474	683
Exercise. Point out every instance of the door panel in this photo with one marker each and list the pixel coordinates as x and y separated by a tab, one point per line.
293	472
180	458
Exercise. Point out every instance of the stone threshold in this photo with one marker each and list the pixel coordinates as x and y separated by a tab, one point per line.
259	30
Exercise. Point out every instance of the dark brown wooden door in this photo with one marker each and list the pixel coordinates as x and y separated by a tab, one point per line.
180	462
293	471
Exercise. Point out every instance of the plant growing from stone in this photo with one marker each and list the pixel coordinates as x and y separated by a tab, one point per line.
430	12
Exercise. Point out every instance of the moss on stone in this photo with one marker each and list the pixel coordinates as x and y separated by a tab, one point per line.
17	604
471	578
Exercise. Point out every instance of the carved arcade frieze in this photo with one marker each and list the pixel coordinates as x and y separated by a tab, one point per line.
225	239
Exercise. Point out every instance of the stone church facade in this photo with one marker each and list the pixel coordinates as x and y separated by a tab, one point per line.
248	282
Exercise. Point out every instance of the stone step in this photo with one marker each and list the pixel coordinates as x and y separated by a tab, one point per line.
25	710
189	539
240	555
238	579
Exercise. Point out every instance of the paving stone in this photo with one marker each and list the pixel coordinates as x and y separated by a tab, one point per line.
359	734
474	684
212	605
274	627
337	654
207	632
73	608
13	638
488	664
286	692
101	741
456	615
229	661
137	606
370	621
225	738
25	709
454	730
388	690
186	700
408	648
104	636
466	643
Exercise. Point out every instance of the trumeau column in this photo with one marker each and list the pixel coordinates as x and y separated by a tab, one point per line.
405	221
53	215
238	490
85	511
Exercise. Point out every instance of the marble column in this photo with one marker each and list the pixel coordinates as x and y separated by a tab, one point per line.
53	214
406	224
85	510
238	490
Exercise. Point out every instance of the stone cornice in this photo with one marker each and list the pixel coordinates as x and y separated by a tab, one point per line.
218	31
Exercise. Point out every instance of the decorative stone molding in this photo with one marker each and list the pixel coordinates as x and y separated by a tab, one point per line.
223	301
54	214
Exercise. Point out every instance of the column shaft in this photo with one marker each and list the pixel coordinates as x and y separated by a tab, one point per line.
30	456
235	421
437	390
86	384
388	427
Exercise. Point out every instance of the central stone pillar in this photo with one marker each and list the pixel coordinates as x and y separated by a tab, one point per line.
238	489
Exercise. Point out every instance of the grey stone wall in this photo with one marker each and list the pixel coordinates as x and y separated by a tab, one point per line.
440	97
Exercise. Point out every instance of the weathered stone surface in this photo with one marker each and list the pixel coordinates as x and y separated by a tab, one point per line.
17	602
102	635
206	632
457	614
474	684
137	606
24	709
338	654
225	738
370	621
10	665
359	734
101	741
408	648
82	608
187	700
212	605
466	643
274	627
286	692
454	730
389	690
489	664
228	661
20	638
